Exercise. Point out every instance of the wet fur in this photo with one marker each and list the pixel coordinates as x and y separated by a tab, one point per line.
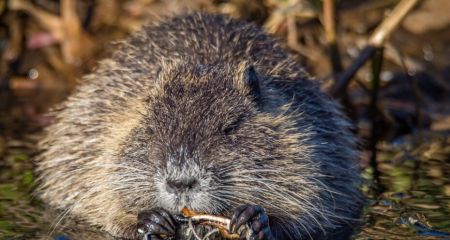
158	109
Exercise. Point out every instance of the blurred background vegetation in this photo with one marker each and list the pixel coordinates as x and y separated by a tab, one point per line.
398	98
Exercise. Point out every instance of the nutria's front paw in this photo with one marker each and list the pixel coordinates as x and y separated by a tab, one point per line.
256	219
156	224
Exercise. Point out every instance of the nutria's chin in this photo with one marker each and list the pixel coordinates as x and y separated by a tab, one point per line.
204	112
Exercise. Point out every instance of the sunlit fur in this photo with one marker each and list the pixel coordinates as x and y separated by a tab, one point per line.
159	110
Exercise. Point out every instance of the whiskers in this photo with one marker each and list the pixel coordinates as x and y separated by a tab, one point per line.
296	195
122	180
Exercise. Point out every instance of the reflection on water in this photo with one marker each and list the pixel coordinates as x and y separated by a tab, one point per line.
411	202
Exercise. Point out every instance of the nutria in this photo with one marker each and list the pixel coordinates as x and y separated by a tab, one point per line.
209	113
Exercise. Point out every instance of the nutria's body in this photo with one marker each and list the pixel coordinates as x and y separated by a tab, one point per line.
205	112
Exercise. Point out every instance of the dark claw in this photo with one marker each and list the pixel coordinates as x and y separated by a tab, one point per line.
236	214
152	237
156	224
256	218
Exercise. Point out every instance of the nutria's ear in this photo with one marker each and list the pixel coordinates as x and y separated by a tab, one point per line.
252	82
249	82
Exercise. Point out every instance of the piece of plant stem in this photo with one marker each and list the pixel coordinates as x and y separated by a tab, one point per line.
385	29
329	23
376	40
377	63
344	78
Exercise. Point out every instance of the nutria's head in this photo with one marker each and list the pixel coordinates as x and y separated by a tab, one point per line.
212	138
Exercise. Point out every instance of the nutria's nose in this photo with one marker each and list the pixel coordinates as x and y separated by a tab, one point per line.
180	185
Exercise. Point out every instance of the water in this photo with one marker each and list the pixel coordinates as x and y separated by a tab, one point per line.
415	199
411	200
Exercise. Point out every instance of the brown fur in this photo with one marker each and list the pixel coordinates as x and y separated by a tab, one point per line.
158	109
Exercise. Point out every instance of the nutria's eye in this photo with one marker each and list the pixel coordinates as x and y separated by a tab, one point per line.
230	128
149	131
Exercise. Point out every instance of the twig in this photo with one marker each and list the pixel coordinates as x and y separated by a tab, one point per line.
377	63
329	19
343	80
376	40
16	32
221	223
48	21
292	40
385	29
